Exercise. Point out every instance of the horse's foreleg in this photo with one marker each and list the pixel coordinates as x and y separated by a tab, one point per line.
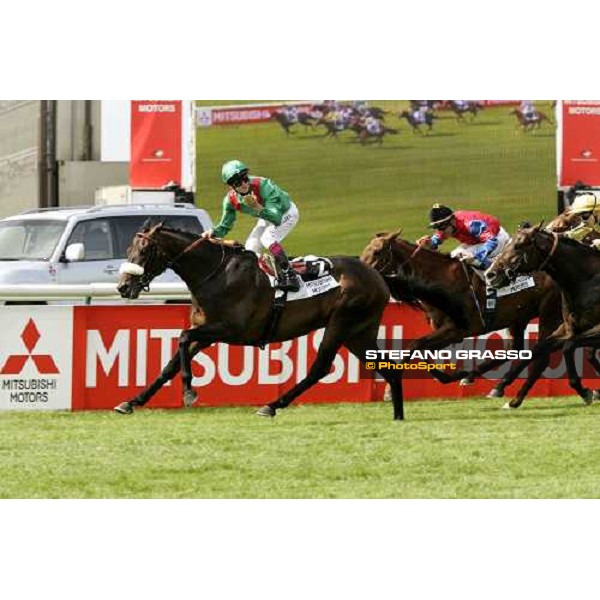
203	336
169	371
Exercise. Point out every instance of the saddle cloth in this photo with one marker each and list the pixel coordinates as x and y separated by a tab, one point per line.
314	272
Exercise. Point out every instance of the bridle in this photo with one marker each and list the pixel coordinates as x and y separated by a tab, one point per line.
524	258
146	278
389	261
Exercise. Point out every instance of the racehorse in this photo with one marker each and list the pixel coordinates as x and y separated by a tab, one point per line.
282	118
568	220
416	125
232	302
576	269
535	122
460	110
364	135
451	295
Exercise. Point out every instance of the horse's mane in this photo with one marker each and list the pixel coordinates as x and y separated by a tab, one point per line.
192	236
419	289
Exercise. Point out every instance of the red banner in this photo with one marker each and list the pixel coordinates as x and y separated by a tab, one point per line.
580	143
119	351
156	142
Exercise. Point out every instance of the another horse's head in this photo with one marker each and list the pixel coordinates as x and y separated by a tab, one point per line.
378	253
147	258
565	221
528	251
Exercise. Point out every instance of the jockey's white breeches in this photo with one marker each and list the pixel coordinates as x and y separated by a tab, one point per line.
265	233
463	249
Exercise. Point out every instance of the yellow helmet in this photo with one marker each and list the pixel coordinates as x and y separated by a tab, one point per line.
584	203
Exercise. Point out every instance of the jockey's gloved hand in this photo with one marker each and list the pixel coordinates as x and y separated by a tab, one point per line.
424	241
207	234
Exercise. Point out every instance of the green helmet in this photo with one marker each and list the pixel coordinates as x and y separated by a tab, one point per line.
232	168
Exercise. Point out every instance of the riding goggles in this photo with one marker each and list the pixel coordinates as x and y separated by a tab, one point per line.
238	180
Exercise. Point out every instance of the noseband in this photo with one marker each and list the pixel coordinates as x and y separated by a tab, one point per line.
524	259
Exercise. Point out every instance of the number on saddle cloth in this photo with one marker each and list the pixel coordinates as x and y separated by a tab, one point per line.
311	267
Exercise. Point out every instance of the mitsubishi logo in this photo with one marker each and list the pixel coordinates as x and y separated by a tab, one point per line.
15	363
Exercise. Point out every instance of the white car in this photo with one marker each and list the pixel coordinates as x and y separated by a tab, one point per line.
83	245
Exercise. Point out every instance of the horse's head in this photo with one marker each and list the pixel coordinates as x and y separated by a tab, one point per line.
565	221
378	253
527	251
146	259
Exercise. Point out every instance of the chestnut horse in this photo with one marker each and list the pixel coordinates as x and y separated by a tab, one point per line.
232	302
527	125
451	297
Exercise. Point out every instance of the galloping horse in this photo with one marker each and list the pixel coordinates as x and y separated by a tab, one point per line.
576	269
460	110
232	302
450	297
535	122
303	119
415	124
365	135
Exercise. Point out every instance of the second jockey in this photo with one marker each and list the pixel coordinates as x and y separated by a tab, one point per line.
480	235
277	215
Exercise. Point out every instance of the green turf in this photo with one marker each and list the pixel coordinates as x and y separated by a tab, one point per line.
446	449
347	192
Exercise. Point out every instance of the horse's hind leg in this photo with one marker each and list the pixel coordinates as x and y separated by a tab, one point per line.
358	346
325	356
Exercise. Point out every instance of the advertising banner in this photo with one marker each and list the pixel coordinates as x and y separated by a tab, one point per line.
579	143
36	358
156	143
94	357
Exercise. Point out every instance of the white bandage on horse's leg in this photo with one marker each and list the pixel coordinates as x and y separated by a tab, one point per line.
129	268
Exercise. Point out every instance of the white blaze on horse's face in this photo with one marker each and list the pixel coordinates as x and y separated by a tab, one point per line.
129	268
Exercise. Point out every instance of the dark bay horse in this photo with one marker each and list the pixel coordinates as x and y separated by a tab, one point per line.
470	107
303	119
364	135
232	302
528	125
438	285
576	269
415	124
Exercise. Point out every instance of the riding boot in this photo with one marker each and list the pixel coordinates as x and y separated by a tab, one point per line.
287	280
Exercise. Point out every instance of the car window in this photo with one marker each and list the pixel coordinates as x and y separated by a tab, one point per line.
29	239
96	237
125	228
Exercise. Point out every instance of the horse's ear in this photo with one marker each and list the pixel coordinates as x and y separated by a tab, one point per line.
157	227
540	224
396	234
381	234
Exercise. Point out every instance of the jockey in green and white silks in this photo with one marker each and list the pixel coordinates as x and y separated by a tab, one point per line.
277	215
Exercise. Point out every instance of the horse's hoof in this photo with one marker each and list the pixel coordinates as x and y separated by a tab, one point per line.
266	411
465	381
507	406
189	397
124	408
495	394
596	395
588	397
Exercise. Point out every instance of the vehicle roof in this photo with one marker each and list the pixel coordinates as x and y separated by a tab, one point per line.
67	212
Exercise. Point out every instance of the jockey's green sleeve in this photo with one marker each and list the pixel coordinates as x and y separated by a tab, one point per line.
274	202
579	232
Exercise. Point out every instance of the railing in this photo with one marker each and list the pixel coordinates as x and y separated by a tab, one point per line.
108	291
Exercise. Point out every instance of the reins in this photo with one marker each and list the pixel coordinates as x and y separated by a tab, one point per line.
188	248
552	251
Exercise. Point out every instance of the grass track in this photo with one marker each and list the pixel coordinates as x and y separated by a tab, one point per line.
347	192
446	449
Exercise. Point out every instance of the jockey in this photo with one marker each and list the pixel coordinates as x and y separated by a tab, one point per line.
277	215
481	235
291	113
587	207
372	125
528	110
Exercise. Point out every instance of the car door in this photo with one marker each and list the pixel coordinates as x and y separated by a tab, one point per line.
100	263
